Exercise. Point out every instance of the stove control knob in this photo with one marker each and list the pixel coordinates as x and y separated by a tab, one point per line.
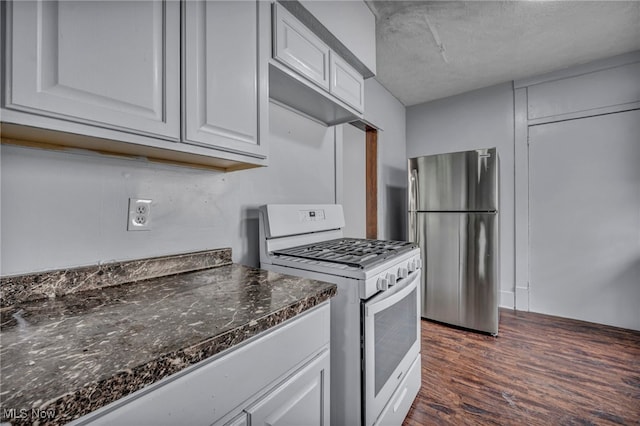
411	265
392	279
402	273
418	263
383	284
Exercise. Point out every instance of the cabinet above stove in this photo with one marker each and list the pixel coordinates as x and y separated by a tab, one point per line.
311	70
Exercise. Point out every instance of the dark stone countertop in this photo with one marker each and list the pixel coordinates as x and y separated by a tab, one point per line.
74	354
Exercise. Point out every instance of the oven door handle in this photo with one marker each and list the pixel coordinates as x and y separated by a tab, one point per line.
393	296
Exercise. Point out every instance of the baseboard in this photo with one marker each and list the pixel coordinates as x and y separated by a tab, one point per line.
507	299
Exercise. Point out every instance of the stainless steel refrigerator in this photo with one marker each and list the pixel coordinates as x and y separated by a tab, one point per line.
453	216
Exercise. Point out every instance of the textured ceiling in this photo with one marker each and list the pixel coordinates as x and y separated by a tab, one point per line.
432	49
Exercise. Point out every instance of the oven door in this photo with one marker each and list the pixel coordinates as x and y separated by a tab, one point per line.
391	330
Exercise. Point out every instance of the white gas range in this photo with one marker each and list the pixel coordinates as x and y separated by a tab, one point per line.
375	316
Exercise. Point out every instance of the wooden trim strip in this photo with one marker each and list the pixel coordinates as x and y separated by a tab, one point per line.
371	183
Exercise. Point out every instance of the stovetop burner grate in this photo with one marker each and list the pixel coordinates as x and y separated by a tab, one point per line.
360	253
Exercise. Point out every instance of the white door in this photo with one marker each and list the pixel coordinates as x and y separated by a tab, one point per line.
106	63
584	190
354	181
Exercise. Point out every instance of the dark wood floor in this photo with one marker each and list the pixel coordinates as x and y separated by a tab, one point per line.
540	370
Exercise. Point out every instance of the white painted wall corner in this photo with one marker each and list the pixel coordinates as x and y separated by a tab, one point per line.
522	299
507	299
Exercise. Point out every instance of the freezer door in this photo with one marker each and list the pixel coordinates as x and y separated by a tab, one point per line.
461	181
460	275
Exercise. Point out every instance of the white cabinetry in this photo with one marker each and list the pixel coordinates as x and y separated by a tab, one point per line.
279	376
116	77
301	400
225	103
346	83
114	64
352	23
309	76
298	48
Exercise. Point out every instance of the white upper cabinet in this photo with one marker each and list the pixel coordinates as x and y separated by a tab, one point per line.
114	64
346	83
299	48
352	23
226	47
179	81
308	74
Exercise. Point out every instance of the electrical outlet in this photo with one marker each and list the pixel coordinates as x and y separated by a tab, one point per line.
139	218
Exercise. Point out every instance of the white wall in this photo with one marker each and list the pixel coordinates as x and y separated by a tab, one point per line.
67	209
479	119
62	209
354	182
387	113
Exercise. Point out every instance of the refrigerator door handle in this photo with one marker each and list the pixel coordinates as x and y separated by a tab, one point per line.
413	204
413	190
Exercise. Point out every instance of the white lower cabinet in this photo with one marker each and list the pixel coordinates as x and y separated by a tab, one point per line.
280	377
301	400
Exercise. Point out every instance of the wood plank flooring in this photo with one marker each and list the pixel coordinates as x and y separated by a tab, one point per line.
540	370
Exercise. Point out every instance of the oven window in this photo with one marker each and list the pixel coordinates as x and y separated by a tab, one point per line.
395	331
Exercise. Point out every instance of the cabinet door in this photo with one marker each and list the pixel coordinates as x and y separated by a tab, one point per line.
226	102
301	400
300	49
346	83
110	64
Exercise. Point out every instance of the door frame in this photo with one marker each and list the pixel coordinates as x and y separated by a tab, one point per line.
371	174
371	182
